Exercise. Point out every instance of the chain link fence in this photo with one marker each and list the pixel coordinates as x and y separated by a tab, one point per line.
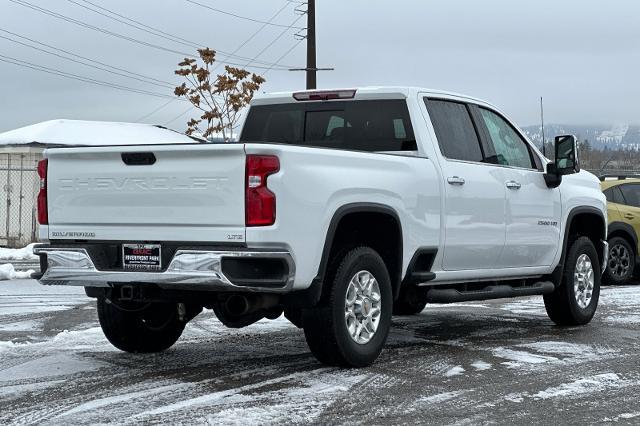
19	185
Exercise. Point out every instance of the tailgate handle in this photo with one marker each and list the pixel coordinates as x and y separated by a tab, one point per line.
138	158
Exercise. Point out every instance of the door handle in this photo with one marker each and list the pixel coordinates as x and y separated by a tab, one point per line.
629	216
512	184
455	180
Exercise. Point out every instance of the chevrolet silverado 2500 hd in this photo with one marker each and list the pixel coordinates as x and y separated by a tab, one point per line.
337	208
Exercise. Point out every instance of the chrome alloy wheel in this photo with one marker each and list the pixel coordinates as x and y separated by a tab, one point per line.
362	307
583	281
619	260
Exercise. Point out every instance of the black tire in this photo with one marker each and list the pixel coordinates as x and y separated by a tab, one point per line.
411	301
325	326
140	327
621	262
562	305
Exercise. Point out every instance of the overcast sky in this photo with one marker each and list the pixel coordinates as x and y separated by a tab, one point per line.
583	56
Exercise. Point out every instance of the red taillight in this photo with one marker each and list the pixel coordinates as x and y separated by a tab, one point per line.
43	216
260	203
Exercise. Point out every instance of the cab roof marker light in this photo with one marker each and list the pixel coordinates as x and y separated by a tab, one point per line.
324	95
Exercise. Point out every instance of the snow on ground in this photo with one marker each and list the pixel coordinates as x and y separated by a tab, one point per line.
25	253
8	272
453	364
23	297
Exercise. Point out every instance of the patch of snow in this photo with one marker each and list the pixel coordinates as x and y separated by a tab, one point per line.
301	397
21	326
517	358
455	371
573	350
623	319
125	397
441	397
583	386
8	272
49	366
30	387
526	306
481	365
25	253
514	397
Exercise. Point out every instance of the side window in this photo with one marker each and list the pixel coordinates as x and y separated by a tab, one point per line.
631	192
510	148
617	195
454	129
609	195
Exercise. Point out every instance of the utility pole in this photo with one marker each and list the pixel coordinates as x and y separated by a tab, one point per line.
312	68
544	150
312	82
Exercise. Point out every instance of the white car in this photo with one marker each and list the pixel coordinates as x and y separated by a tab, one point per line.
337	208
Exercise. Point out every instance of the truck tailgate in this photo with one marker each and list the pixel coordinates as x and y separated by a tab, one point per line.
147	193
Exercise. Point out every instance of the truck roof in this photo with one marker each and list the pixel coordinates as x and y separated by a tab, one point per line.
363	93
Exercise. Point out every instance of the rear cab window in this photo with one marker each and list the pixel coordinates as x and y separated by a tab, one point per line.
359	125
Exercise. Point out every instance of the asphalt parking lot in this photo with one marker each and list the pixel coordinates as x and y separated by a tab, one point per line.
492	362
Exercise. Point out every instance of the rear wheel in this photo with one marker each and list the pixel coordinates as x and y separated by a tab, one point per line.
140	327
575	300
350	326
621	262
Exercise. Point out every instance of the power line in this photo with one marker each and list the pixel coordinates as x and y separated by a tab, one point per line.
155	110
84	57
177	117
165	85
111	33
172	36
149	29
48	70
237	16
252	36
92	27
285	54
274	41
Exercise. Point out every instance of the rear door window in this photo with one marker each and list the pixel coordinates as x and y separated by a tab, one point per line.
614	195
631	192
376	125
456	134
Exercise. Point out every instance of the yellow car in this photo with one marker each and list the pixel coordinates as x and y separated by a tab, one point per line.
623	206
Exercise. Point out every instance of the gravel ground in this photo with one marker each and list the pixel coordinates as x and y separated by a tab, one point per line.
492	362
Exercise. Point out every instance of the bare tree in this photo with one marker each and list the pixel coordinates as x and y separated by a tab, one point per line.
220	100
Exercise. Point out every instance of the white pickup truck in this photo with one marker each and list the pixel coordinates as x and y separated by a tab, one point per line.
337	208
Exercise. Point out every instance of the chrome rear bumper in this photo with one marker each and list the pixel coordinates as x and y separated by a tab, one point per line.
188	270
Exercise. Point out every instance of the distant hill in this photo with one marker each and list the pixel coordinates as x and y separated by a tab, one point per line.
599	137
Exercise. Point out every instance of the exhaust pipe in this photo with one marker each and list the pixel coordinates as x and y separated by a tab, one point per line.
239	310
237	305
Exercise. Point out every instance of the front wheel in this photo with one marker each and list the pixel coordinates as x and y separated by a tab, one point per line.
350	327
140	327
575	300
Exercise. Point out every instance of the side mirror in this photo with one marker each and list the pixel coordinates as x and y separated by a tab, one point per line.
566	160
